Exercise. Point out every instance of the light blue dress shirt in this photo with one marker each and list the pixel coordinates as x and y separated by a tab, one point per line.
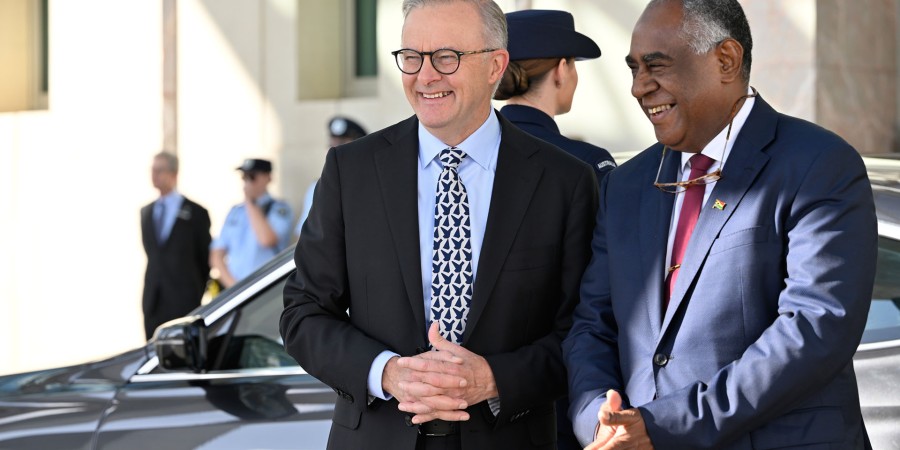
169	205
244	253
477	174
307	204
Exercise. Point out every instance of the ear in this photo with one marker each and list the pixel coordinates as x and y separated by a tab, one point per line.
559	74
499	61
730	56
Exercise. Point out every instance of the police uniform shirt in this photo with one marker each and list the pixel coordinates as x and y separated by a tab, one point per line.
538	124
244	253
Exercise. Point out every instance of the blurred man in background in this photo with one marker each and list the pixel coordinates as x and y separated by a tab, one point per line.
175	233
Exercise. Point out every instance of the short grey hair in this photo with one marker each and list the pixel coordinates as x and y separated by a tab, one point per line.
709	22
170	159
495	31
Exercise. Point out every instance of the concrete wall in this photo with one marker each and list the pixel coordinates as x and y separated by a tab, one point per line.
72	180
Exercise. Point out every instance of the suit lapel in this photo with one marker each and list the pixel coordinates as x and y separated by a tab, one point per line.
656	209
397	176
514	184
742	167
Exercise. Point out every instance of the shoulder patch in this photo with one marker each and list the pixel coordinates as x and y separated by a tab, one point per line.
609	164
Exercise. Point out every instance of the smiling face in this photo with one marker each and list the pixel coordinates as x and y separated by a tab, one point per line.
451	107
686	96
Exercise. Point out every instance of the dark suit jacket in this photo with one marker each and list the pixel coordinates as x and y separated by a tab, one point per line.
755	349
360	250
178	269
538	124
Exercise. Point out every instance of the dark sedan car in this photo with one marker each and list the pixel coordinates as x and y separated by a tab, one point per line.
220	379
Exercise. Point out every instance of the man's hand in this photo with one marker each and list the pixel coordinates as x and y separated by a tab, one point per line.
454	362
426	390
619	429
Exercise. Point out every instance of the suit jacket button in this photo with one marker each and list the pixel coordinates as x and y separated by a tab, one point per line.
660	359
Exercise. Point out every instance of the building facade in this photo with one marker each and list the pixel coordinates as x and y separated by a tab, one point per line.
91	90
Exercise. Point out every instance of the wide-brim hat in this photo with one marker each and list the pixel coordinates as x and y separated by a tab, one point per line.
546	33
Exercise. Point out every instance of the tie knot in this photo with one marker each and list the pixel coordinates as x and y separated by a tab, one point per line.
451	157
701	162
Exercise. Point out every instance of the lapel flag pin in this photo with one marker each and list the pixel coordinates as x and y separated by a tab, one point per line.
719	204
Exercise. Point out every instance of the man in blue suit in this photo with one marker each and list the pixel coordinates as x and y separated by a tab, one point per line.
727	292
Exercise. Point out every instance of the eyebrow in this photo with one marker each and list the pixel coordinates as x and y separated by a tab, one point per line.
649	57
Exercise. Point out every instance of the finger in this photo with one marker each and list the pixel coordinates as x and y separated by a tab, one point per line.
451	416
426	389
619	418
445	381
425	367
614	399
603	437
429	405
441	356
437	340
613	403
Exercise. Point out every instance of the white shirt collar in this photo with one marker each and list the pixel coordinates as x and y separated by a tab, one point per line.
479	146
714	148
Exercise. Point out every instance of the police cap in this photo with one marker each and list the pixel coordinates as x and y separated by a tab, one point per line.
256	165
342	127
545	33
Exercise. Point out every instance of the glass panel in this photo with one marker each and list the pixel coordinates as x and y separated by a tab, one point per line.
45	48
366	53
883	323
250	338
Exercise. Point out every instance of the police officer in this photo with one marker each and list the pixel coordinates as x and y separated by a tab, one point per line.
255	230
541	79
538	85
341	131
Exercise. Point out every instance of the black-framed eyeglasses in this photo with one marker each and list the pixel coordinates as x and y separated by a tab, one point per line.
444	60
679	187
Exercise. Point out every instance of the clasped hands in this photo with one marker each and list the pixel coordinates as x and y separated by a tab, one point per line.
441	383
618	428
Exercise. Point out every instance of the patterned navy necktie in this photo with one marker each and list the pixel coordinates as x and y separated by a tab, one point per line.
451	273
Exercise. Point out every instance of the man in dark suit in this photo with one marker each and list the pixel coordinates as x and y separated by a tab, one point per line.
732	263
175	233
452	217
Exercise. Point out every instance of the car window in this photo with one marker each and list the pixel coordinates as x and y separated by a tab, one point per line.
248	338
883	323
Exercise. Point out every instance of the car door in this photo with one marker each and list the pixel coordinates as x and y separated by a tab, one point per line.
877	361
253	396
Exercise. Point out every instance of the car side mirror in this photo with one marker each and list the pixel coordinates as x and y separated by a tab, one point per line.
181	344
